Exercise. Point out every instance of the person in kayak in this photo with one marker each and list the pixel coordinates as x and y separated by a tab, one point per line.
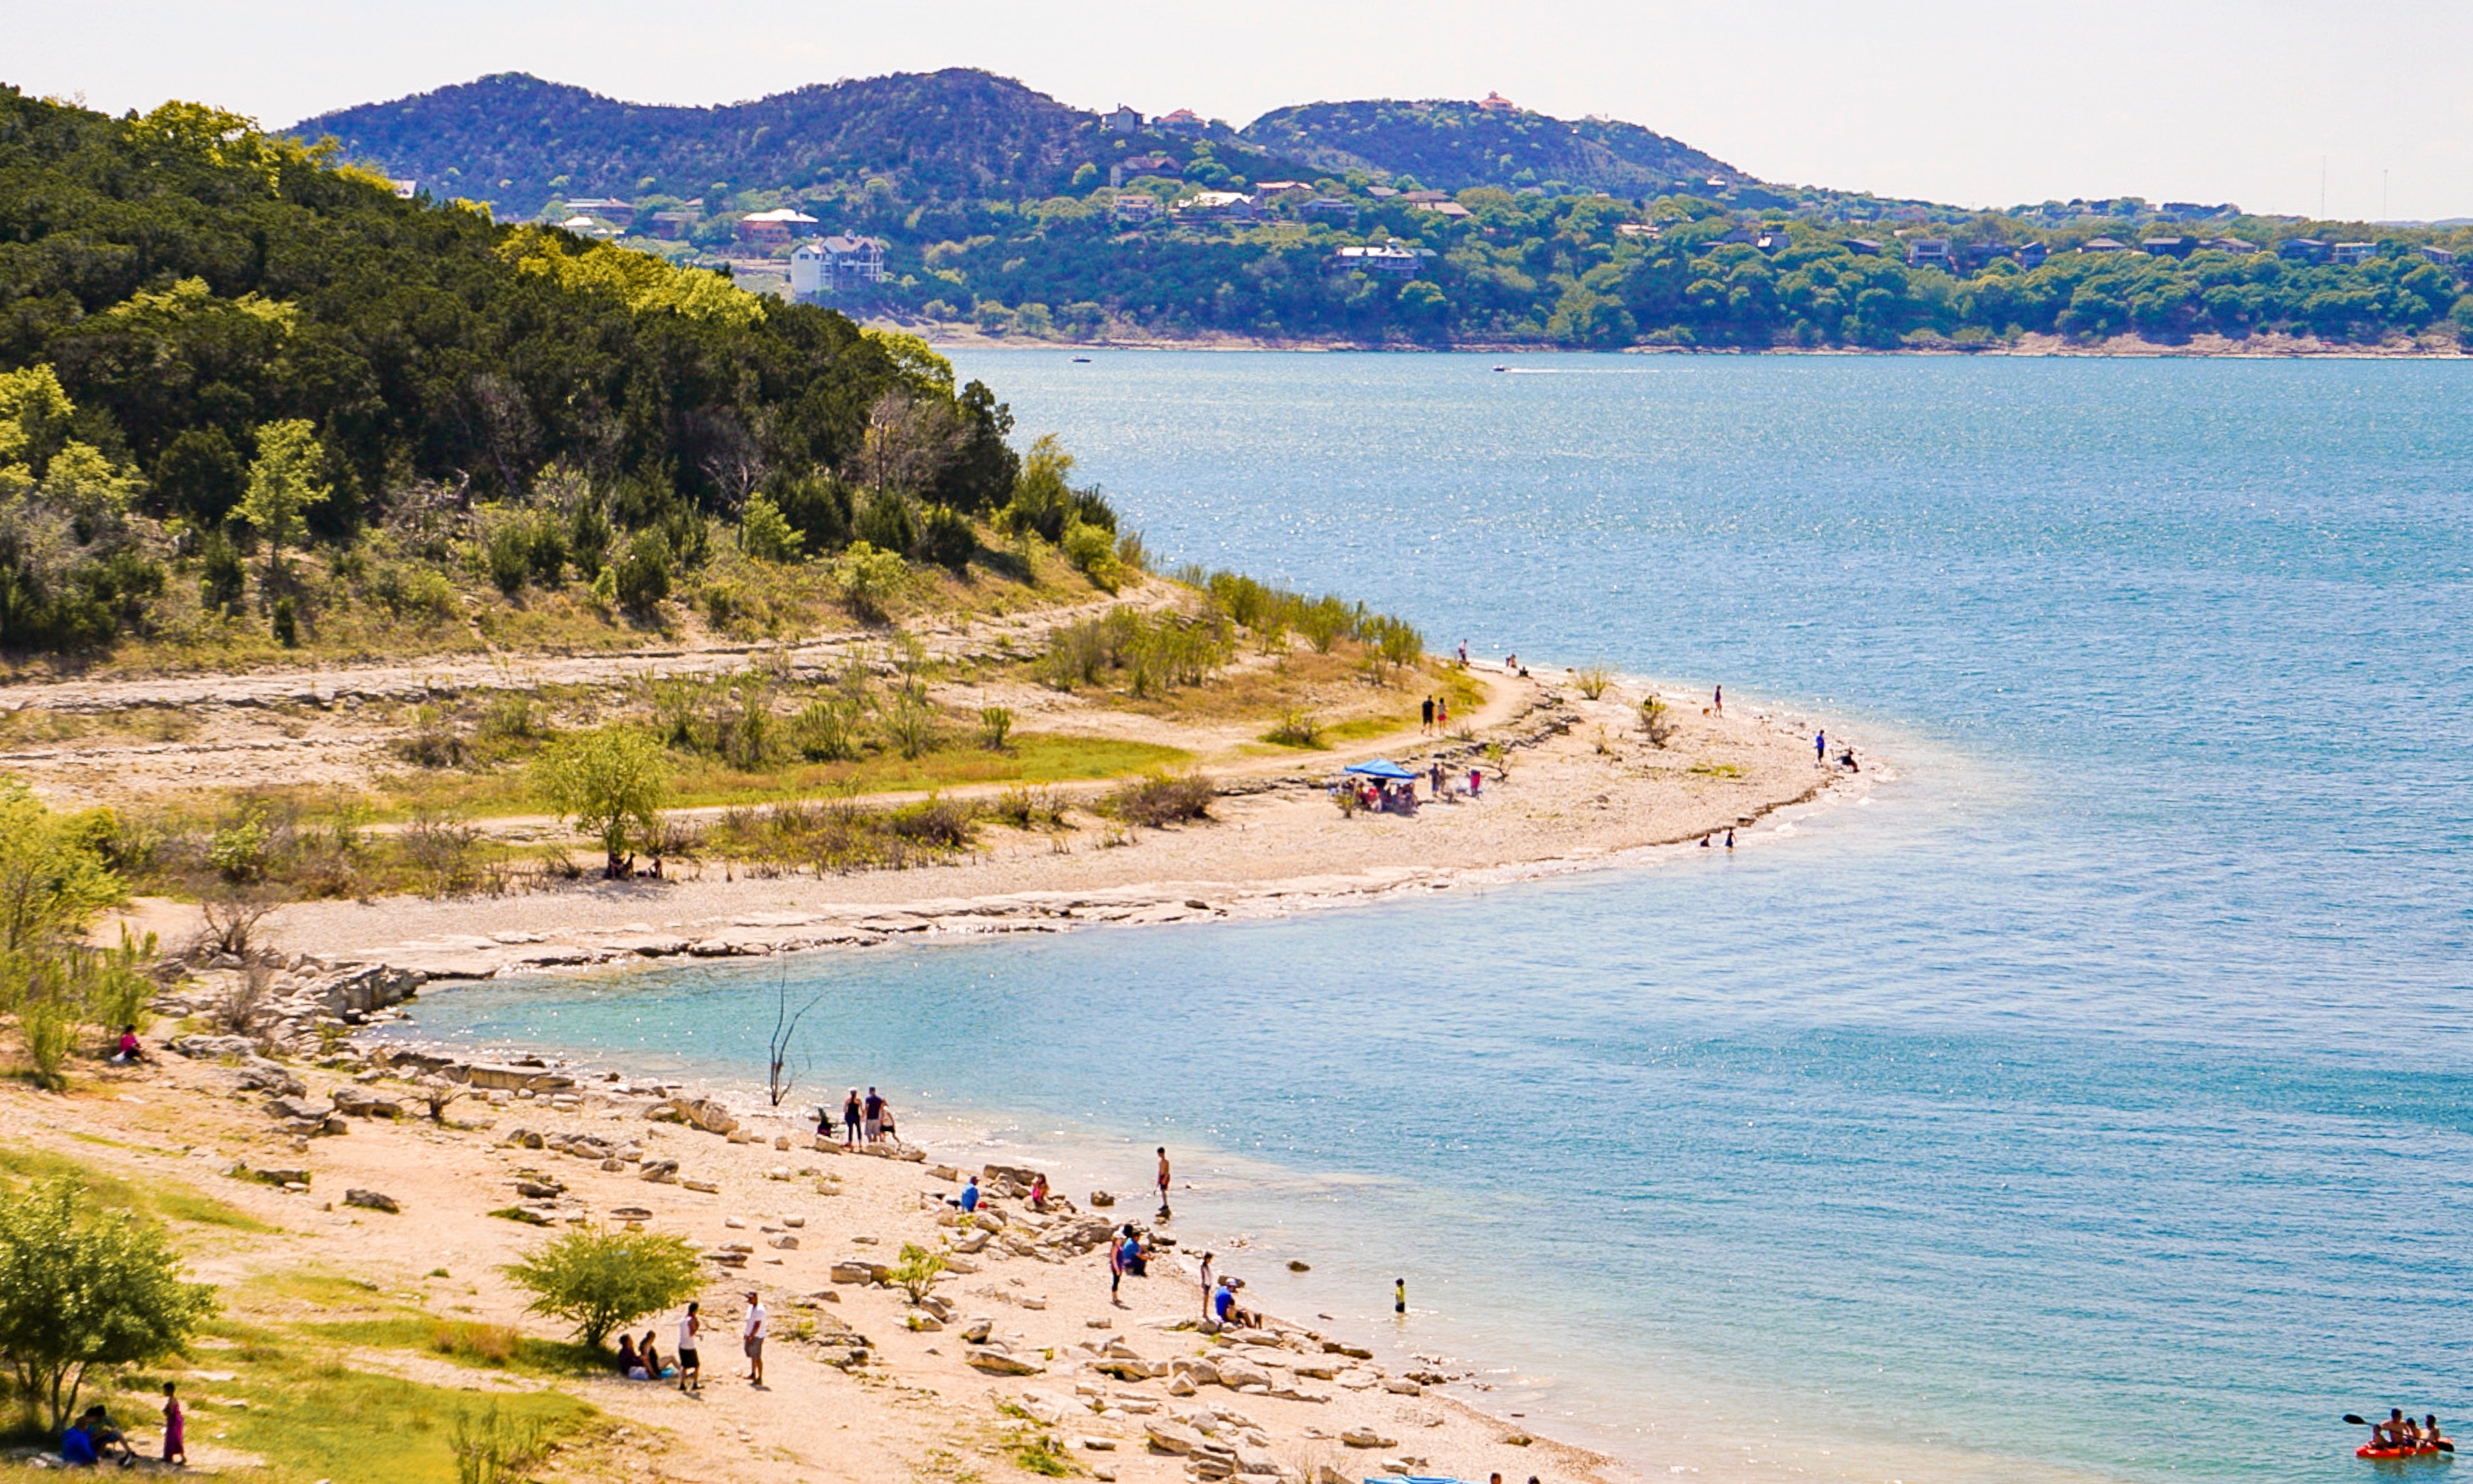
2431	1436
2389	1434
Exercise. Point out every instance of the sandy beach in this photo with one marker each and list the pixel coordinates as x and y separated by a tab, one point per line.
1577	789
862	1385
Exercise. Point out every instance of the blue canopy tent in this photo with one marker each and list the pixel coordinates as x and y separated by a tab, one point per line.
1382	767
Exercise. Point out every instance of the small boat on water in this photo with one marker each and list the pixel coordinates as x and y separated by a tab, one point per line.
1081	360
2425	1451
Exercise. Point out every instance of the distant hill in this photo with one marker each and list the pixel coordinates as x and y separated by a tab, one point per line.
1453	146
518	142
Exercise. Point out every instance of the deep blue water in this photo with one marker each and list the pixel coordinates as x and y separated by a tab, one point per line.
2093	1102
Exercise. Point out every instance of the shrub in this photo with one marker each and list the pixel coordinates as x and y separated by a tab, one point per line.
1593	681
827	728
766	533
1297	728
285	624
908	718
946	539
868	576
1028	809
446	852
916	1272
996	724
1656	721
599	1280
642	574
1161	799
81	1288
223	583
1093	551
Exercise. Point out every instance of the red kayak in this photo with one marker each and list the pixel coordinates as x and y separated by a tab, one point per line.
2426	1450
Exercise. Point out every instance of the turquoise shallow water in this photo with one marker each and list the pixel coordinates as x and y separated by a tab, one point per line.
2093	1103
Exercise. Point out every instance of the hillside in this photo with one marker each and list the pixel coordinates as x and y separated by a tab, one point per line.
251	401
1454	146
518	143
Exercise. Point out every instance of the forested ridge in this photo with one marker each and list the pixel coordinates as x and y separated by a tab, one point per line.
246	390
1002	207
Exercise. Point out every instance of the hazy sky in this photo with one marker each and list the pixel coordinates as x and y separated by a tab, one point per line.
1982	103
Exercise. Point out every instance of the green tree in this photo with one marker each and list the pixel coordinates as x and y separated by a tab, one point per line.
610	784
286	481
52	879
81	1288
599	1280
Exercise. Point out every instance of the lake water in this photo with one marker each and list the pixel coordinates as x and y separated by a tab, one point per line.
2091	1103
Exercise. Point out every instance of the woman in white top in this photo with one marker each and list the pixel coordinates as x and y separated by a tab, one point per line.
691	1366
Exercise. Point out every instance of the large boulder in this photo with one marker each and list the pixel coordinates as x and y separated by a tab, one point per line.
699	1112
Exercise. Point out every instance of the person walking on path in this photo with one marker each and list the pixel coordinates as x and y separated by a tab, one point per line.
874	1113
754	1341
176	1429
1205	1283
1164	1213
1442	713
851	1116
1426	717
690	1365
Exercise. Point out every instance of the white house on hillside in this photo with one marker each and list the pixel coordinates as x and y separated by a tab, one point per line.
827	267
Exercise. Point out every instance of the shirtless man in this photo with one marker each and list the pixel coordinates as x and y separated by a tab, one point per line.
1163	1180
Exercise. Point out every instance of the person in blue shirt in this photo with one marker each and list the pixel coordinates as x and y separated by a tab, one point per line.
970	1198
76	1448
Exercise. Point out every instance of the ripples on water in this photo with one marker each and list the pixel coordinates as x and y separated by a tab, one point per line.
2094	1102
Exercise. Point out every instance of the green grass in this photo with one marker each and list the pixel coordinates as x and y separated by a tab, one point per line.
1032	758
461	1341
167	1199
312	1418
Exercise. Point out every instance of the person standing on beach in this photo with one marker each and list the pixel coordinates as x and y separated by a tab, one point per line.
1730	839
690	1365
1717	702
873	1110
851	1116
1463	654
1426	717
1205	1283
1164	1213
176	1429
753	1340
1821	748
1115	1272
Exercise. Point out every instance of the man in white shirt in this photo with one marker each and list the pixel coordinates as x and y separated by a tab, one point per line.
755	1341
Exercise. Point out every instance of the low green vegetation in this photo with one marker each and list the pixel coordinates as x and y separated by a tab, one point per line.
56	876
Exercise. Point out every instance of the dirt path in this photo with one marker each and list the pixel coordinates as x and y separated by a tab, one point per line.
1014	635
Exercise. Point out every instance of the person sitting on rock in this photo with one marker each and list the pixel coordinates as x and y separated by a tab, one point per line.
969	1199
1038	1191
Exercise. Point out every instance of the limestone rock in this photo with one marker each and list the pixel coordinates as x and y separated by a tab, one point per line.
998	1363
1366	1437
1172	1437
372	1200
